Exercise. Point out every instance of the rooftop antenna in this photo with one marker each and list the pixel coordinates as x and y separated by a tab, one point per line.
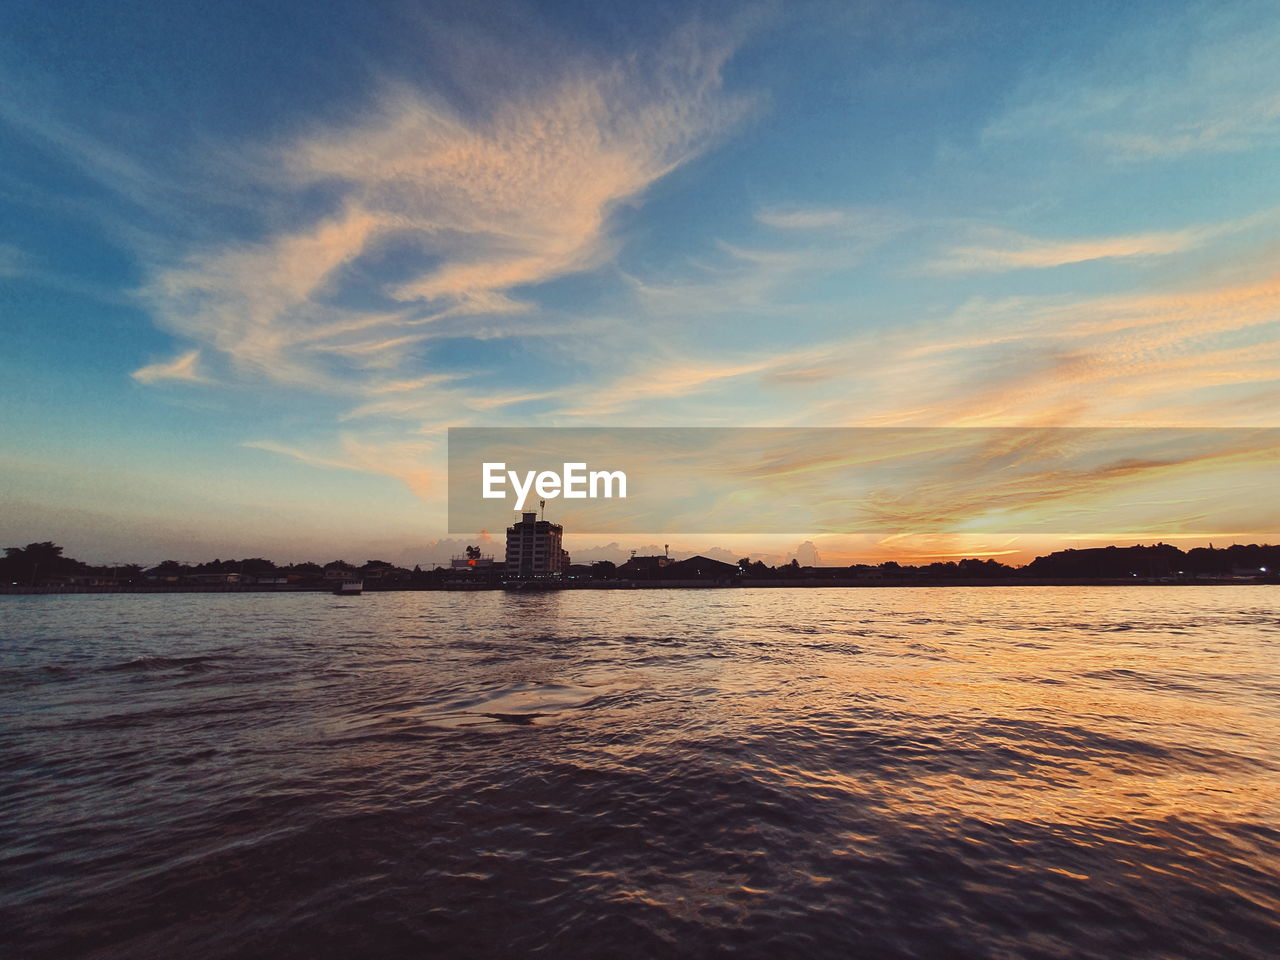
666	549
542	505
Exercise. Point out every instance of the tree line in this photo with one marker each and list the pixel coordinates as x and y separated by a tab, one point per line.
44	562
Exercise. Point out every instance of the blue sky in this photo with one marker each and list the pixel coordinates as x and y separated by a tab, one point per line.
256	259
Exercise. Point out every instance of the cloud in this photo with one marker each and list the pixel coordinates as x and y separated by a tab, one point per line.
867	223
418	224
483	205
183	368
1136	358
409	461
1051	480
806	554
1005	250
811	219
660	381
14	262
1154	96
1198	355
997	250
773	275
419	227
1178	356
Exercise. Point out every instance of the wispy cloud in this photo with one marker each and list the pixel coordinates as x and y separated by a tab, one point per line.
812	219
183	368
992	249
1141	358
13	261
441	224
660	381
409	461
482	206
1152	96
867	223
999	250
769	275
1181	357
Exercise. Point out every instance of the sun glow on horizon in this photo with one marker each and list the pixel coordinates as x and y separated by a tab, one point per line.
237	315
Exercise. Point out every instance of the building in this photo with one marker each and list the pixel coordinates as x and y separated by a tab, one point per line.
701	568
471	572
339	571
213	577
471	563
533	548
643	568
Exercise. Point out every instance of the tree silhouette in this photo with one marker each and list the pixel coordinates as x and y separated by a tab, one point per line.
36	561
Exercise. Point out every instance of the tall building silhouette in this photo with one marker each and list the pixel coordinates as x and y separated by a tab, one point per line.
533	548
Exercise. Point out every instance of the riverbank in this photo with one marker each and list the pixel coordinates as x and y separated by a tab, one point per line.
752	583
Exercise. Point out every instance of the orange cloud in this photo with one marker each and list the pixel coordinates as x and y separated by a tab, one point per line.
516	196
410	461
1005	250
996	250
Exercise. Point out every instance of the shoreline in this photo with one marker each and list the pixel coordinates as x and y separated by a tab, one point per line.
761	584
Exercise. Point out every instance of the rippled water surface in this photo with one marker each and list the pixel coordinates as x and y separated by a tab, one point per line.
881	773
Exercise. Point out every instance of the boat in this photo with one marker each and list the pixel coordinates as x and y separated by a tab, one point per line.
349	588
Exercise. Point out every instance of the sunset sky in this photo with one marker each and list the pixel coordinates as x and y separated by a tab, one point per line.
256	259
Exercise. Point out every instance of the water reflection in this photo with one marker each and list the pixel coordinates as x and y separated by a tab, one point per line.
1082	772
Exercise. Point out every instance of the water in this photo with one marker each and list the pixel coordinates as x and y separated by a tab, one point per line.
1016	772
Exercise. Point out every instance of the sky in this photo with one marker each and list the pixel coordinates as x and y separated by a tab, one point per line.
257	259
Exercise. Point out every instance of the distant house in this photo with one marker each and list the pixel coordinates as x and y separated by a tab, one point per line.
472	569
699	568
164	573
380	570
863	571
643	568
213	577
650	563
472	563
83	580
828	573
